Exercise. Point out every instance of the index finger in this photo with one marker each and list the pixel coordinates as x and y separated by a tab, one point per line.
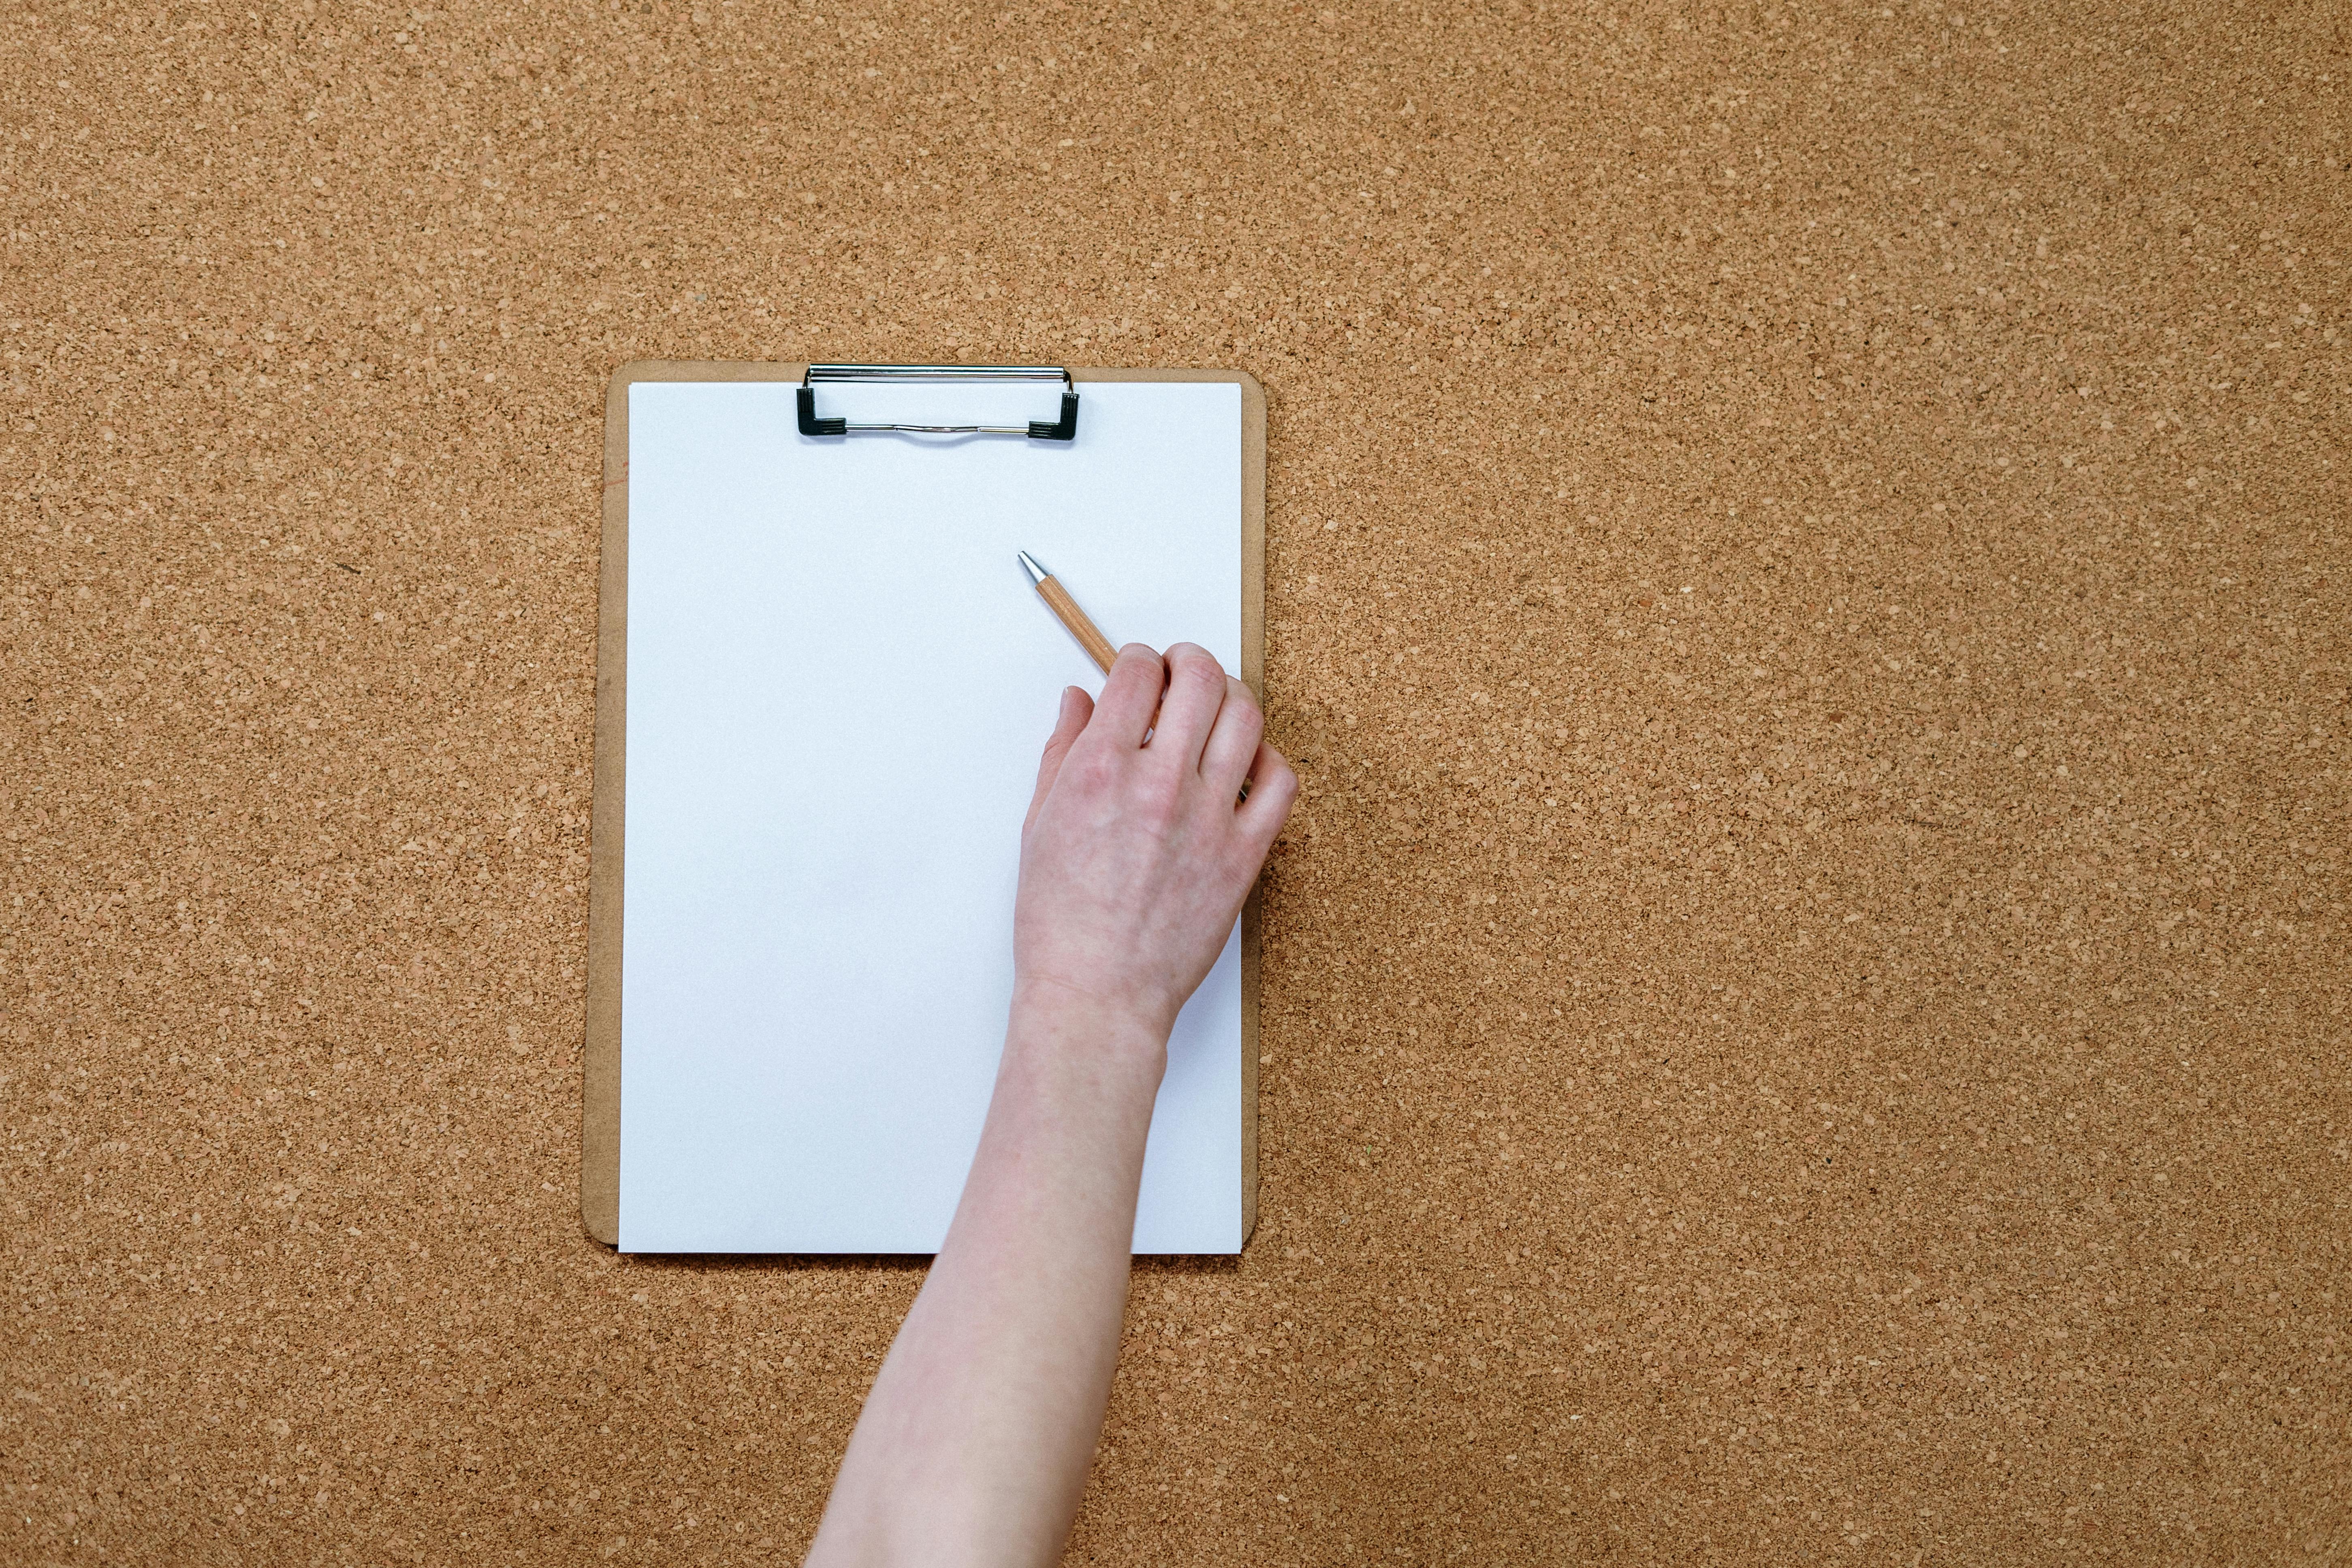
1130	695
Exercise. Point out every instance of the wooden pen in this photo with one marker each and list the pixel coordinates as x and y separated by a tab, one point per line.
1057	598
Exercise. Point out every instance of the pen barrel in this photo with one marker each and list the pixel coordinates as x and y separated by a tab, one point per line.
1097	645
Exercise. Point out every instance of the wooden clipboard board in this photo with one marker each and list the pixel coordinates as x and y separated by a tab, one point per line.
600	1119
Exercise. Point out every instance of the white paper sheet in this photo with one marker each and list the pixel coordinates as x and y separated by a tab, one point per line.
839	680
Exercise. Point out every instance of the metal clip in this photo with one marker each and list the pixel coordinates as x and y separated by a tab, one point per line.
1065	428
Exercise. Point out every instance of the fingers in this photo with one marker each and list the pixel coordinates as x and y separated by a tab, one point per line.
1196	691
1233	740
1068	725
1273	787
1130	694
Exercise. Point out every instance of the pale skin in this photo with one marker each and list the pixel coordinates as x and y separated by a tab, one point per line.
1134	858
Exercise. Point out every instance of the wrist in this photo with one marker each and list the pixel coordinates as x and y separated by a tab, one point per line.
1051	1014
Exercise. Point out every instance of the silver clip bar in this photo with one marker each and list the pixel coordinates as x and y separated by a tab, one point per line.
1065	428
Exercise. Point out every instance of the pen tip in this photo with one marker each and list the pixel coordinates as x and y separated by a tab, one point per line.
1038	573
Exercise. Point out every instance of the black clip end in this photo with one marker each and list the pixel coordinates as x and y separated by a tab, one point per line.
813	425
1065	428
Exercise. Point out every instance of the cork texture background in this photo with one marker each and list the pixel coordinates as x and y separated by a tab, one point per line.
1805	1007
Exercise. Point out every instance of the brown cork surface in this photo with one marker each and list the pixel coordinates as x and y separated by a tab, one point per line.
1804	1005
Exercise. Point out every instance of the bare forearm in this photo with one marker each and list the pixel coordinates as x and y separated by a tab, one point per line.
974	1443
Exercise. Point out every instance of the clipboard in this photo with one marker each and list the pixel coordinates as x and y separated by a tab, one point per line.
602	1118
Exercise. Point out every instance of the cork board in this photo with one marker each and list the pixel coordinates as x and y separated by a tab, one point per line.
1848	1059
600	1090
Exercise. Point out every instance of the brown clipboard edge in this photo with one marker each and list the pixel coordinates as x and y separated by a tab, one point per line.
600	1099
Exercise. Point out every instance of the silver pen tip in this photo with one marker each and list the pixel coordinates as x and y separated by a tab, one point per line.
1029	563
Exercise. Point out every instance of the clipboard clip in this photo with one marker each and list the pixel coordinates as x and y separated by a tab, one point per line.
1065	428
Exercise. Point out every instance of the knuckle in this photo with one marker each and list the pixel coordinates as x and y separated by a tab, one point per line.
1192	662
1136	670
1092	771
1159	792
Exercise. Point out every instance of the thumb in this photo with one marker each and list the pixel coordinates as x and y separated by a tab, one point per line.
1068	725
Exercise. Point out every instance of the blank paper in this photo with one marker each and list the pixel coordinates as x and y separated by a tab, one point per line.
839	681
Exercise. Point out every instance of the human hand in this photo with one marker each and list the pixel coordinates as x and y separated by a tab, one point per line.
1135	856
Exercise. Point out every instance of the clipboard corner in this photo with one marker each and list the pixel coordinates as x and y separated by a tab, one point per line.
600	1218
